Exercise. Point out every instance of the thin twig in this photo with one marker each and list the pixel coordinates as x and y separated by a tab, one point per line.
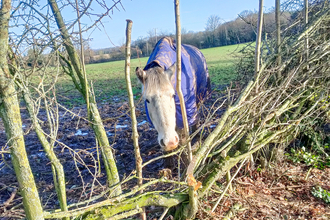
228	185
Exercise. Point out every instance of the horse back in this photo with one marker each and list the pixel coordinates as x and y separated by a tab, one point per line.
195	83
199	68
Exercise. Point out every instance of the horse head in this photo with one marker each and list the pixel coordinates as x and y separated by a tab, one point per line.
158	94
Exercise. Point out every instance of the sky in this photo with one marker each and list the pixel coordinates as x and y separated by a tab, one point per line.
158	16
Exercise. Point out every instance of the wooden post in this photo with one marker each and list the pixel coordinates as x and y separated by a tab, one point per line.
135	134
278	35
192	207
178	76
306	37
258	40
258	46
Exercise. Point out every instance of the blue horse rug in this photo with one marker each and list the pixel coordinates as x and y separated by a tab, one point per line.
195	81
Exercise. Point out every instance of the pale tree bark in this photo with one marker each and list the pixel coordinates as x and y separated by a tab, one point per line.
108	208
80	83
191	209
57	168
135	134
10	114
178	76
258	45
258	40
278	35
82	55
306	37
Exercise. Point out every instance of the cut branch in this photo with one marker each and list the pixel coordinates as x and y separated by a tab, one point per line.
135	134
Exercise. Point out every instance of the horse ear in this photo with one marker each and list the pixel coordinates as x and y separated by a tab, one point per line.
141	75
171	70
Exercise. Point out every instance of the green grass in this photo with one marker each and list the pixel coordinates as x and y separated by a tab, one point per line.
221	63
108	79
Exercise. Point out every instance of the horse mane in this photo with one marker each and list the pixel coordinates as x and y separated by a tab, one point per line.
156	80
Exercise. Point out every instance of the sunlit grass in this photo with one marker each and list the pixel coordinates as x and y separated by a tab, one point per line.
221	63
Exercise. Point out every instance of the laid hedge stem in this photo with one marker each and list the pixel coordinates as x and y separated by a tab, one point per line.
126	202
278	35
57	168
258	39
306	22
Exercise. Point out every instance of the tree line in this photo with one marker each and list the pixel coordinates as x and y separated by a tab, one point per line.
217	33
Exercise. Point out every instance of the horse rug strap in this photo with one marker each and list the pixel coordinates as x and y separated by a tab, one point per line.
195	82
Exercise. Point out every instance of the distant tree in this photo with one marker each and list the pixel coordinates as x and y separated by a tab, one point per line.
88	52
141	43
34	56
192	38
217	33
152	36
212	25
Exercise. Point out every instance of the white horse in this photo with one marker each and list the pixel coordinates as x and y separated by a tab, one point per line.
158	80
158	93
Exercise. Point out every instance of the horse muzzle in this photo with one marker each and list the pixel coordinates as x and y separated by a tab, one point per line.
169	144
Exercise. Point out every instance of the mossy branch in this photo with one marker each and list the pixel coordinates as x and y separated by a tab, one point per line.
96	121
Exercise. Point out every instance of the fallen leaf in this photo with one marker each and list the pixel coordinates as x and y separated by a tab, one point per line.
192	182
197	186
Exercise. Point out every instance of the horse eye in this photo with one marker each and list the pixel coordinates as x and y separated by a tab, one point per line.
147	101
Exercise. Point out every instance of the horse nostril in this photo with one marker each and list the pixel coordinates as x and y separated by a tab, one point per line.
176	139
162	143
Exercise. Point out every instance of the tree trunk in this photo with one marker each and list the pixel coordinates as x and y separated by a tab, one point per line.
57	168
10	114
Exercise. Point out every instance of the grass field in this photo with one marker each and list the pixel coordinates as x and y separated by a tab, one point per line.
108	79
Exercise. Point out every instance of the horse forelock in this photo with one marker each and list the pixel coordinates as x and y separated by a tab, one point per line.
157	81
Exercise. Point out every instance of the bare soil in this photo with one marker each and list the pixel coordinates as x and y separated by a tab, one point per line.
279	192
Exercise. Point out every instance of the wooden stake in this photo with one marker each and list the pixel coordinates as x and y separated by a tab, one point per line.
135	134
